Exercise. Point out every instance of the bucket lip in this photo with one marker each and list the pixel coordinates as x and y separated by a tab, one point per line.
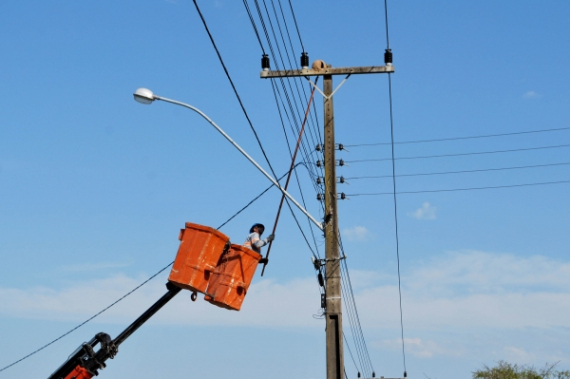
246	250
208	229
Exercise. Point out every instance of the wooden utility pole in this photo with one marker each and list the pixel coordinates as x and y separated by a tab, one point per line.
333	311
333	314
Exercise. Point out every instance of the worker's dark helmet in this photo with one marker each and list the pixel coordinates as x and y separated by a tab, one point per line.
254	225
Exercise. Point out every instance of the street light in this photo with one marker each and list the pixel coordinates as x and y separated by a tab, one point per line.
145	96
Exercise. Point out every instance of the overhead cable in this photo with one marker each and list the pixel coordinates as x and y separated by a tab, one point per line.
234	88
350	351
459	138
253	25
134	289
303	145
257	197
293	158
463	189
245	112
460	172
354	319
89	319
296	25
462	154
389	53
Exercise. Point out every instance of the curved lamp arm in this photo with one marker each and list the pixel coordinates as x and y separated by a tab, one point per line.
145	96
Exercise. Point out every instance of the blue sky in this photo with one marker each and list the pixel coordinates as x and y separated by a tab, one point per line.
94	186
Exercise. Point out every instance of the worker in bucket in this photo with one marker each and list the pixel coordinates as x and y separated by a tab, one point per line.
254	241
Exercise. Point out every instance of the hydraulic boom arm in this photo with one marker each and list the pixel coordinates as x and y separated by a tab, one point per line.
85	362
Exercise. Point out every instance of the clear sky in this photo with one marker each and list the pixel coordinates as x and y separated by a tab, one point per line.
94	187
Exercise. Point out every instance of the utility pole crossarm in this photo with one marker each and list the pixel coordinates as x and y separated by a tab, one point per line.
328	71
333	291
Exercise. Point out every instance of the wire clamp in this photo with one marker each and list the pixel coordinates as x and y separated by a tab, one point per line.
340	146
318	263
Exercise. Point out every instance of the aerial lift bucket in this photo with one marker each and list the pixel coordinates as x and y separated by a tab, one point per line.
231	279
200	250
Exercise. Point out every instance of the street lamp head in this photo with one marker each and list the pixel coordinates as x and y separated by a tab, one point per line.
144	96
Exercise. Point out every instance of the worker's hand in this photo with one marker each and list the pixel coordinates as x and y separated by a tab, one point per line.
271	237
263	261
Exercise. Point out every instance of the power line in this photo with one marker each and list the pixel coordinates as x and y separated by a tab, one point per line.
253	24
394	193
292	114
386	18
459	138
348	294
243	108
296	26
234	87
296	174
89	319
255	198
461	172
297	112
267	36
462	154
137	287
354	319
463	189
351	356
279	109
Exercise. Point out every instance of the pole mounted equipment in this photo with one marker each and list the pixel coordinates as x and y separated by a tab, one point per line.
331	300
265	62
388	57
304	60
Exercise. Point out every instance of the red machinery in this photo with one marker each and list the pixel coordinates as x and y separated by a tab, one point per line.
206	262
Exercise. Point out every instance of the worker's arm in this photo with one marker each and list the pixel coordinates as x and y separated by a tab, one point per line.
261	243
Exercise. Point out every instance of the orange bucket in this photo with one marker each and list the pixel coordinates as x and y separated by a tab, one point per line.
200	250
231	279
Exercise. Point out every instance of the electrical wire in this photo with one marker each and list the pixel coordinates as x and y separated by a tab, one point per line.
350	352
394	194
245	112
460	172
464	189
296	25
293	109
89	319
462	154
296	111
257	197
290	104
288	98
296	174
253	24
386	22
352	313
394	190
137	287
459	138
234	87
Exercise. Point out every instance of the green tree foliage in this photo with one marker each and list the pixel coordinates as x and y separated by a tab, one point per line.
505	370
